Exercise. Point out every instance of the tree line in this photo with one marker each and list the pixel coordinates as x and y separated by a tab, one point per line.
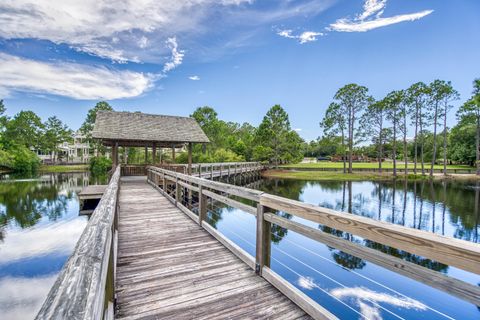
355	122
25	132
272	141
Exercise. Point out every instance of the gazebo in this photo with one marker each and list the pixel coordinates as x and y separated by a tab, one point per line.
136	129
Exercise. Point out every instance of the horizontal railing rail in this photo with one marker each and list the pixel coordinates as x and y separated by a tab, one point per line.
134	169
84	289
453	252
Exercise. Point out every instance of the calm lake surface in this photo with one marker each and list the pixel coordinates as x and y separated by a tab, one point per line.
350	287
39	227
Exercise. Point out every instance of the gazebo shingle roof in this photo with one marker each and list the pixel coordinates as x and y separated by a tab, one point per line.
137	126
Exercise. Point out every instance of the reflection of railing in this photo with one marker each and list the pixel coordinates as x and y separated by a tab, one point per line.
457	253
84	288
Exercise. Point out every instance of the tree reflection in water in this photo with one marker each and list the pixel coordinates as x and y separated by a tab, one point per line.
24	202
410	203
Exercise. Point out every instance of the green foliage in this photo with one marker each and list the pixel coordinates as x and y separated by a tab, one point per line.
276	140
87	125
219	155
23	160
56	132
100	165
24	129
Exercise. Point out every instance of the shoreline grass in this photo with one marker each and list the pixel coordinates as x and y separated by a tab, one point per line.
358	176
368	165
64	168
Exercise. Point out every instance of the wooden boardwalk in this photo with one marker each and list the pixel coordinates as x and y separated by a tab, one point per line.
170	268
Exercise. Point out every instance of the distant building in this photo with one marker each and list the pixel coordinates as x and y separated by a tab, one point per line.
77	151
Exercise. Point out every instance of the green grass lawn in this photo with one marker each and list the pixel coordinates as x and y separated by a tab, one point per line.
64	168
356	176
367	165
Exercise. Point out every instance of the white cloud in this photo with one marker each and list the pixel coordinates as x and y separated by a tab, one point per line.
287	33
194	78
297	129
304	37
58	238
364	21
309	36
109	29
177	55
306	283
370	301
70	79
143	42
21	297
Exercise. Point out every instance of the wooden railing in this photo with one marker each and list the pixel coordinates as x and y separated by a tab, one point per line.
84	288
224	168
134	170
457	253
209	170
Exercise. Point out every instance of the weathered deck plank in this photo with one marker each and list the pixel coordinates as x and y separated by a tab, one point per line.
170	268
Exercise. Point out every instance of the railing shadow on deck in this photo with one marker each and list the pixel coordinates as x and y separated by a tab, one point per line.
453	252
85	287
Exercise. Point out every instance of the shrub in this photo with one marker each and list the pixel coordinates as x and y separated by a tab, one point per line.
100	165
22	159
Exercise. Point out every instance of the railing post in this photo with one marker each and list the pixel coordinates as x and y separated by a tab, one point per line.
164	183
199	170
177	191
262	256
211	172
202	206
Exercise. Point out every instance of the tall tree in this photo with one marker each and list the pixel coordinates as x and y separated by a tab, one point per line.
416	96
24	129
440	92
87	125
393	103
3	117
208	120
56	132
333	124
352	99
372	124
471	110
273	133
449	95
403	127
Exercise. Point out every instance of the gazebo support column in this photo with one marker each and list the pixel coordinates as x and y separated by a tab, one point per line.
154	153
115	154
190	158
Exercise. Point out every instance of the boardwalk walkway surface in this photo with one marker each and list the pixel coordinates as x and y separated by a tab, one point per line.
170	268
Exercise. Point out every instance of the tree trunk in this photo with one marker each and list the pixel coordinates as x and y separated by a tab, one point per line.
394	148
380	149
405	151
477	143
435	116
416	141
445	140
344	153
350	143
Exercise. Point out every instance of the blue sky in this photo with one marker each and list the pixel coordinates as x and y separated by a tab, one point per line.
237	56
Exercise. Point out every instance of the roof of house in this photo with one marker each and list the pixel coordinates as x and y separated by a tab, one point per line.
141	127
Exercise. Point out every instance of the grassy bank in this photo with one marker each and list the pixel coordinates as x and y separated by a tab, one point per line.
356	176
366	165
65	168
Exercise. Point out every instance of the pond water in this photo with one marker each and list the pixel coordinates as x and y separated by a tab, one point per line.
353	288
39	227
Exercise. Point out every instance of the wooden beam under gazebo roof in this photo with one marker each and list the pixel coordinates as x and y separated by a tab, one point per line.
136	129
